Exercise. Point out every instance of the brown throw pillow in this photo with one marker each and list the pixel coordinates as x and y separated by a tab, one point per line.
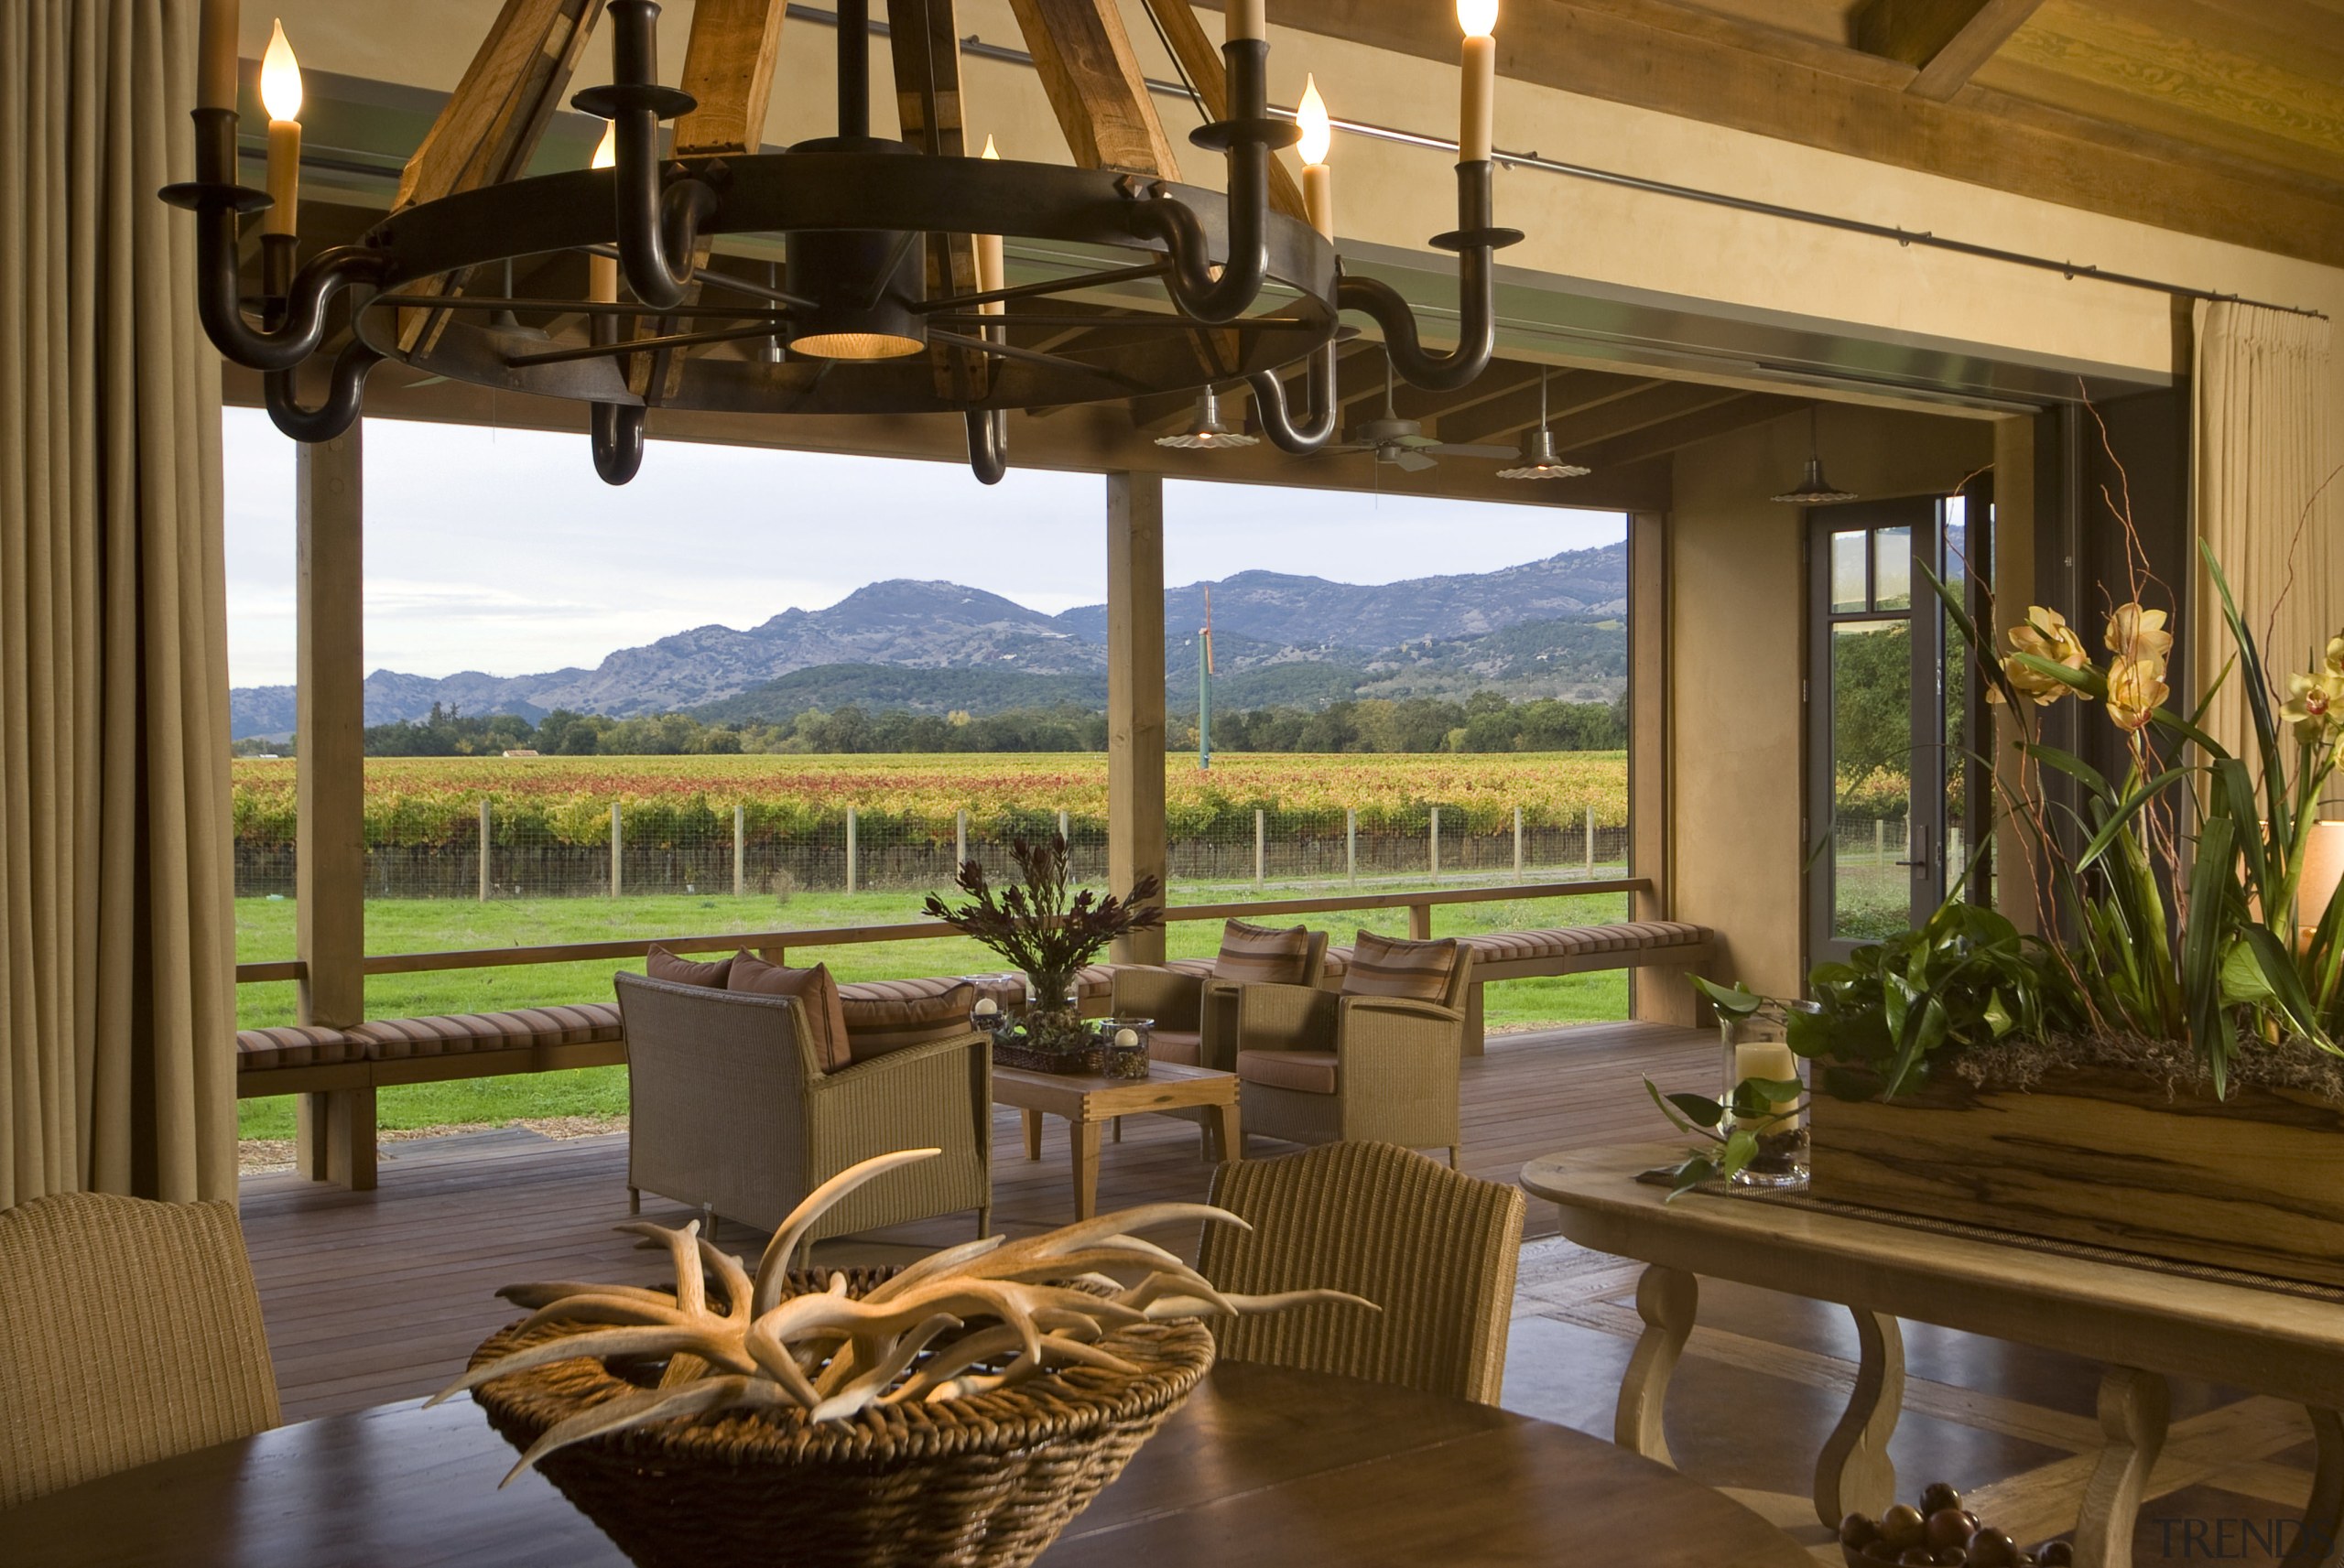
1258	955
662	964
825	1016
876	1025
1385	966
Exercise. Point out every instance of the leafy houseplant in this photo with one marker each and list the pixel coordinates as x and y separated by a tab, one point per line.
1047	927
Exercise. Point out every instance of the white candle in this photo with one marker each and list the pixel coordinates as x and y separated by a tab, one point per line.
1127	1038
1247	20
215	70
2322	874
986	1007
281	95
602	272
992	268
1318	137
1769	1059
1477	110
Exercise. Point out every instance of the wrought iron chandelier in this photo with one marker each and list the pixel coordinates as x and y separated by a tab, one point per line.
862	321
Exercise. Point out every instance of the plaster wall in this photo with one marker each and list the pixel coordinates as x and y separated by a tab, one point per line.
1738	629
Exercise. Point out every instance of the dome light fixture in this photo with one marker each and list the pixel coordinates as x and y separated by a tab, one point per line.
1539	458
1813	488
1207	431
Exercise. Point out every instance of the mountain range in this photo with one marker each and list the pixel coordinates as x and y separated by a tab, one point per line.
1544	628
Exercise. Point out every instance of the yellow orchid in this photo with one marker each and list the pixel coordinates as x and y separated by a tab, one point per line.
2334	664
2046	635
2139	635
2135	689
2314	703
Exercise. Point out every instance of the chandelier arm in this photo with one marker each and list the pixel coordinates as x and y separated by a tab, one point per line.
616	432
1245	139
988	443
342	403
300	310
1476	241
658	222
1277	421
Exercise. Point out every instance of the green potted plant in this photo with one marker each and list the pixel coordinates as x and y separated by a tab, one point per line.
1048	929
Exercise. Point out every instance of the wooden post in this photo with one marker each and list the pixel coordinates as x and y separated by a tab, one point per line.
1064	831
1261	856
1518	843
335	1129
740	851
1420	922
1135	844
1880	840
618	846
1433	844
1591	843
960	841
850	849
1350	843
1659	996
487	886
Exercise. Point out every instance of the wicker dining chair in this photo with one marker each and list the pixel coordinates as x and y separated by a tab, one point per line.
1434	1250
133	1334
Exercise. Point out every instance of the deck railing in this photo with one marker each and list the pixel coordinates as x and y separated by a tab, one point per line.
1419	902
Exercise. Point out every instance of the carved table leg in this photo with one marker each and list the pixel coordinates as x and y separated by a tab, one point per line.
1033	1134
1667	1299
2323	1515
1855	1473
2133	1407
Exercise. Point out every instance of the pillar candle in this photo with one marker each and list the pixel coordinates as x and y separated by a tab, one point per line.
1770	1059
215	70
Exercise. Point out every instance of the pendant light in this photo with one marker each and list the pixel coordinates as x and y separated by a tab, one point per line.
1539	458
1207	430
1814	490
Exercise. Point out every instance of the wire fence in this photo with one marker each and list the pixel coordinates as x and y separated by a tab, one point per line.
488	858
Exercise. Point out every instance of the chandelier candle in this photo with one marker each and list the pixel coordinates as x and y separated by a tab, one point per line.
1477	117
602	272
215	85
1247	20
992	271
281	95
1318	136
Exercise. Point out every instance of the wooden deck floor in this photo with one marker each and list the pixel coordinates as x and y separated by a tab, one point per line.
380	1295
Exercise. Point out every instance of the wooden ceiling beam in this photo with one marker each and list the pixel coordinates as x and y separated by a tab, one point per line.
1502	418
1690	429
1645	53
1944	42
1095	85
1644	410
1503	379
1200	62
727	67
924	42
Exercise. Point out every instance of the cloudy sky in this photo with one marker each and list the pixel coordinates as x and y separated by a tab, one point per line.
499	550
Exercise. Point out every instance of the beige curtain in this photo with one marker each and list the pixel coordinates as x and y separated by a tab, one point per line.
2266	444
117	995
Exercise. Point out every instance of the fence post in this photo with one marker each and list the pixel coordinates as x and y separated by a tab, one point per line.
1260	859
960	841
1518	843
1909	837
1063	830
1591	843
850	849
617	844
1434	845
1880	840
740	851
1350	843
486	886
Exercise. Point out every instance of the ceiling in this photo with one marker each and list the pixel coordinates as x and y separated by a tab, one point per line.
2223	118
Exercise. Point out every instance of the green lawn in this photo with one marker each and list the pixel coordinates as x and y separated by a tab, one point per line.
264	930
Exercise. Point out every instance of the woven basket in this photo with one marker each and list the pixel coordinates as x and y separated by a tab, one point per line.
983	1482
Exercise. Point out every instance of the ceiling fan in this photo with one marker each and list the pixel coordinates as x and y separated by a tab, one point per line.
1403	442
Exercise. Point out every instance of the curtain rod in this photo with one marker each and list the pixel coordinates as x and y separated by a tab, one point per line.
1924	238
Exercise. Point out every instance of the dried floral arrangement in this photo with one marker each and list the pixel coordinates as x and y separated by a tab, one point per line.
983	1315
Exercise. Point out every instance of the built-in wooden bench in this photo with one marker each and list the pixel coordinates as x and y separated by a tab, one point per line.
347	1065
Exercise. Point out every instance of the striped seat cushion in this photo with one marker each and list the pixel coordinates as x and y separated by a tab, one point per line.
1258	955
295	1046
1587	941
1305	1071
876	1025
1386	965
1003	989
404	1039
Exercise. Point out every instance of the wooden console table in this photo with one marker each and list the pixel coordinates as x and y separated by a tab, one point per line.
2142	1324
1089	1101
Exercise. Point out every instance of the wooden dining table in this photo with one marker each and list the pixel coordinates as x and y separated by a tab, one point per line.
1261	1466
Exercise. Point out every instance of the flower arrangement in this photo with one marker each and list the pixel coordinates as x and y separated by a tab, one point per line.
972	1319
1043	924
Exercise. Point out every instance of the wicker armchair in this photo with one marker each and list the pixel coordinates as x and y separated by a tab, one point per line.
1437	1250
133	1333
1321	1067
1195	1011
732	1113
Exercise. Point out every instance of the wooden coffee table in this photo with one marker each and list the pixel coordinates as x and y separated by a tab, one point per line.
1089	1100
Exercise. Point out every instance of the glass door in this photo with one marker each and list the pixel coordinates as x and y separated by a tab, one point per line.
1889	784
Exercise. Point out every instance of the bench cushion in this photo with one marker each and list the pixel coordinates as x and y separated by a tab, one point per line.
295	1046
404	1039
1585	941
876	1025
1305	1071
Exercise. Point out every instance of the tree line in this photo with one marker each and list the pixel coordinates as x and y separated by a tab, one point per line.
1485	721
